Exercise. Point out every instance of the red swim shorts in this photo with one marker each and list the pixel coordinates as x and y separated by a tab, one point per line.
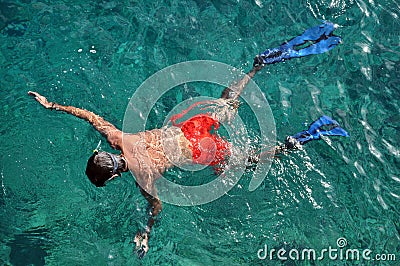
207	147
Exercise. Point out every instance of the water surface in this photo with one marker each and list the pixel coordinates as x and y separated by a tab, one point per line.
94	54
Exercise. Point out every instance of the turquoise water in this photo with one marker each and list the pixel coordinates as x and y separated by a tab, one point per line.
94	54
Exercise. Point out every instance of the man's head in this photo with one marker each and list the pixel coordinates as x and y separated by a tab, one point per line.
103	166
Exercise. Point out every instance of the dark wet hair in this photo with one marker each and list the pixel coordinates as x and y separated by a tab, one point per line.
101	167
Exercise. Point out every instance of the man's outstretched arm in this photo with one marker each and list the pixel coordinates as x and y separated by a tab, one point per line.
113	135
142	238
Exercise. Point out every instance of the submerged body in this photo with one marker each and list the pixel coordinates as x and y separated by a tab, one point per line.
150	153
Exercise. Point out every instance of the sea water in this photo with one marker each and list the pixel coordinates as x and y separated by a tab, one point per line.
339	193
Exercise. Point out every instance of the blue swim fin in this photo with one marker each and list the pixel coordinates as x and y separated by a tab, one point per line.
311	35
336	131
321	38
315	131
317	48
322	121
304	136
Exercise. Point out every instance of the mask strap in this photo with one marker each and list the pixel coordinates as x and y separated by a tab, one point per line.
114	162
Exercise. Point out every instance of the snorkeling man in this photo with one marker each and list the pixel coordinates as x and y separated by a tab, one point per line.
144	155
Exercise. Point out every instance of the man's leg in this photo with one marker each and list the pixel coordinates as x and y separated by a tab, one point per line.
233	92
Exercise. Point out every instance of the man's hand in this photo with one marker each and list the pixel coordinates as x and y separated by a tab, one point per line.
41	99
142	244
